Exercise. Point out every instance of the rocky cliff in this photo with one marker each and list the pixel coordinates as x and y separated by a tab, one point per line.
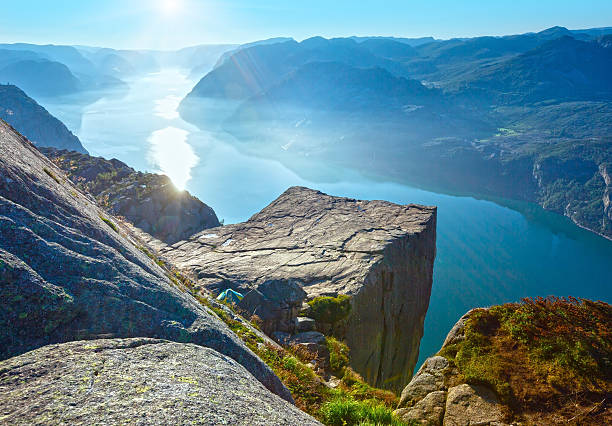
544	361
141	381
34	122
69	272
379	254
149	201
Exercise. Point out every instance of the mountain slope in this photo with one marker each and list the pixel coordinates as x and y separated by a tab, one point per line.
250	71
41	78
147	200
68	271
562	69
34	122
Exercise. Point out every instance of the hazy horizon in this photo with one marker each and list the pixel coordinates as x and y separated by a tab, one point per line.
175	24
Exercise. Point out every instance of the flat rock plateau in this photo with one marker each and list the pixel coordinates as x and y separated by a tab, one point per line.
379	253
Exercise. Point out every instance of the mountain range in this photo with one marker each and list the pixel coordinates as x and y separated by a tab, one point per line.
524	116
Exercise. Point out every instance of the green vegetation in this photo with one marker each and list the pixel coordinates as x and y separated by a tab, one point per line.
346	411
110	223
367	405
338	355
352	402
51	175
330	310
533	353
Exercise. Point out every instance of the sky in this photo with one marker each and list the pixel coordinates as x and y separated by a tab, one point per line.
172	24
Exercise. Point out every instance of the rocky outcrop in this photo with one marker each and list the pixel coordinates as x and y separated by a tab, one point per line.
139	381
435	395
472	404
34	122
428	411
69	272
508	364
276	303
149	201
378	253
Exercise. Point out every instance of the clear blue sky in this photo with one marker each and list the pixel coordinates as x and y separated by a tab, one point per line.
178	23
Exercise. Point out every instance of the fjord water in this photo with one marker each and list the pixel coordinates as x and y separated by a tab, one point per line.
486	253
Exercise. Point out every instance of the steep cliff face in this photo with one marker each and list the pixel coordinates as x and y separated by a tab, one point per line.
378	253
159	382
34	122
69	272
544	361
148	200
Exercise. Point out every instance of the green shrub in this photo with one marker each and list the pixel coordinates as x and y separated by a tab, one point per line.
338	355
344	411
330	310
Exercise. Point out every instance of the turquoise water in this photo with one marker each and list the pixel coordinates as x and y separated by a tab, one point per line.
486	253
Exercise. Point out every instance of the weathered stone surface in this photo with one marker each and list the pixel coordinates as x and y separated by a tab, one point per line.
472	404
276	303
149	201
308	337
304	324
67	272
428	411
379	253
429	378
457	333
136	381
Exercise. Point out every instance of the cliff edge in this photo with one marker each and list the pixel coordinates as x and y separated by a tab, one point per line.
377	253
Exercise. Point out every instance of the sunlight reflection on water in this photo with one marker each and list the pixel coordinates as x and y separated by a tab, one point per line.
173	155
167	107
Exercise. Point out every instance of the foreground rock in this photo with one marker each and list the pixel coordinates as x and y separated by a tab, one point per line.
68	272
137	381
378	253
492	368
147	200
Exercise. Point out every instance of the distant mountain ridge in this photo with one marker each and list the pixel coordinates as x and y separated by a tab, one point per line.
34	122
512	116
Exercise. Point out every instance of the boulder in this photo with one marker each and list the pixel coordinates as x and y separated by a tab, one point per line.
472	404
137	381
68	271
380	254
429	378
457	333
304	324
428	411
276	302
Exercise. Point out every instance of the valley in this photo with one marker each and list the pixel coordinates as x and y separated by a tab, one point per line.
487	252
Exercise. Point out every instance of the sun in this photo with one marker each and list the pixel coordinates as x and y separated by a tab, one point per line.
170	7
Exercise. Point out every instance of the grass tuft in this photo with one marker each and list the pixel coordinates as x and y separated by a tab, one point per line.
110	223
52	175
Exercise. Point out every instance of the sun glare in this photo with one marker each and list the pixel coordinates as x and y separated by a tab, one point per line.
170	7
